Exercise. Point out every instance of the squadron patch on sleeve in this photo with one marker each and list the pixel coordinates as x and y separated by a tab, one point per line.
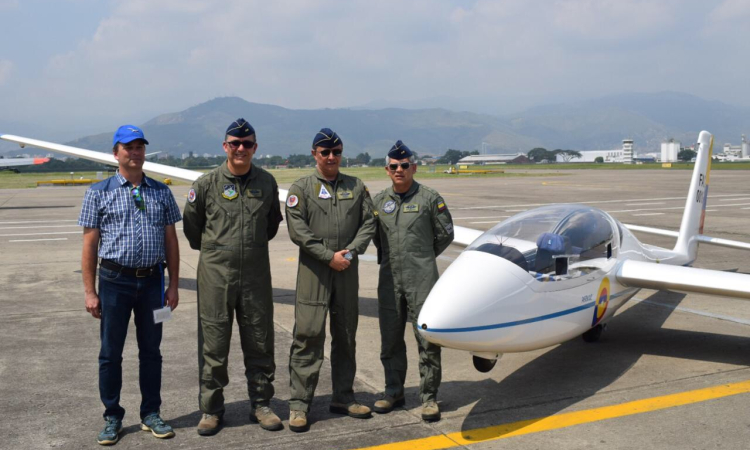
191	196
292	201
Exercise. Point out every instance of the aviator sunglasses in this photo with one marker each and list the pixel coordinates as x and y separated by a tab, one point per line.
236	144
327	152
139	203
404	165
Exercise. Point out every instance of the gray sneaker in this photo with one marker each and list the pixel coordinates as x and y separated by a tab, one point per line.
111	432
267	419
157	426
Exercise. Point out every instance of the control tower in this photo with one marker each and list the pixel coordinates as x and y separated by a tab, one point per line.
627	151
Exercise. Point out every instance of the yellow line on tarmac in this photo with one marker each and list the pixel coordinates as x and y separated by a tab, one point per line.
567	419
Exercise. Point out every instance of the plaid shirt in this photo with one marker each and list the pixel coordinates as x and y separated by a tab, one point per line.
130	236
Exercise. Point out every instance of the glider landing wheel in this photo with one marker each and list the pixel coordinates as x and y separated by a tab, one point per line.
594	334
483	365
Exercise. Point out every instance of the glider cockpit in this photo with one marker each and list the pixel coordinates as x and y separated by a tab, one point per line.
554	243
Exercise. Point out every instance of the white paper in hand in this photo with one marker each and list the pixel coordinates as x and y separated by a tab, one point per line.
163	314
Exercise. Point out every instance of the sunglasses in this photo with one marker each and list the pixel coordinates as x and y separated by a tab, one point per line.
236	144
395	166
327	152
139	203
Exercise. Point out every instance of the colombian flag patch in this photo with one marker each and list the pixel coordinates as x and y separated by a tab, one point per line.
441	206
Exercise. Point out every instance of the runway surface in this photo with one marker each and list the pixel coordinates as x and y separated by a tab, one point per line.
671	372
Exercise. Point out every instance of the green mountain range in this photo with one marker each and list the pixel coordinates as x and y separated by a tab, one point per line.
590	125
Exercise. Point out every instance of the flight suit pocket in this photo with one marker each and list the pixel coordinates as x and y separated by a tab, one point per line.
254	323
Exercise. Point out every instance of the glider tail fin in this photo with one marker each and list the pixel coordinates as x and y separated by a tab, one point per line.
695	205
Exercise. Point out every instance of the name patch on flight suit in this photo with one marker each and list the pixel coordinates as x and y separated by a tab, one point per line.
411	208
254	193
389	206
345	195
324	192
229	192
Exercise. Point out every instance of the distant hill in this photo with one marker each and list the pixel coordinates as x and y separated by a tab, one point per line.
589	125
282	131
648	119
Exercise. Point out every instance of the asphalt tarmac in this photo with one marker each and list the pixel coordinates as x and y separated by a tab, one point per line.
671	371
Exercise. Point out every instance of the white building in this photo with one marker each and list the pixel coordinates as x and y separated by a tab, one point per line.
732	151
518	158
589	156
669	150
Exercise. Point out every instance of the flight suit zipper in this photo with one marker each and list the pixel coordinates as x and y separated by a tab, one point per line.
242	227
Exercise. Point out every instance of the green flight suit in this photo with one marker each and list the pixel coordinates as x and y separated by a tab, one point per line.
324	218
412	232
230	220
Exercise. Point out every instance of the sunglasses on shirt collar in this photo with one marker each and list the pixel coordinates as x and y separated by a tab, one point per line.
139	202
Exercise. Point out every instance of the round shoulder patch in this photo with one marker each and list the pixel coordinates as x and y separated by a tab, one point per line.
292	201
191	196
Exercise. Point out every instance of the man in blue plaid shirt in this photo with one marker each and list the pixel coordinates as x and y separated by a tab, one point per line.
129	219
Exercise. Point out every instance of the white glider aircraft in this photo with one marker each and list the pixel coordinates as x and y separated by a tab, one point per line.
543	276
556	272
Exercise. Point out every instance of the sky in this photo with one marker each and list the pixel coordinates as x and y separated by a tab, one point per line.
71	67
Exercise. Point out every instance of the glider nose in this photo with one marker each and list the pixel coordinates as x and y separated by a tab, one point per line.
477	292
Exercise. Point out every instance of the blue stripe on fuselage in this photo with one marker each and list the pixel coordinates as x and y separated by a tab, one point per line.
512	324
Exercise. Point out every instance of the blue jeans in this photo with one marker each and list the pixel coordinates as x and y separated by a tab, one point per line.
119	295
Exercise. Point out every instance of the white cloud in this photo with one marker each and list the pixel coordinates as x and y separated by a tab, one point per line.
148	57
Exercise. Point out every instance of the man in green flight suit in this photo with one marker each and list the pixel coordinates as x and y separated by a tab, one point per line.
230	215
414	227
330	218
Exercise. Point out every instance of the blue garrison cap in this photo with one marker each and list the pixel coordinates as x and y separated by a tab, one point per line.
399	151
326	138
240	128
127	133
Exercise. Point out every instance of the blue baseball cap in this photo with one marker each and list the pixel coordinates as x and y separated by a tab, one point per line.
128	133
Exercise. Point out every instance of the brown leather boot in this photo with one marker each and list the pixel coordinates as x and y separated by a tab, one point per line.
264	416
209	425
298	421
353	409
430	411
386	403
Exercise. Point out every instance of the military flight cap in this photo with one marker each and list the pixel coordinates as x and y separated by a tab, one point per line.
128	133
399	151
326	138
240	128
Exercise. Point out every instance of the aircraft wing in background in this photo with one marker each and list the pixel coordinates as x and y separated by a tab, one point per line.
14	162
648	275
